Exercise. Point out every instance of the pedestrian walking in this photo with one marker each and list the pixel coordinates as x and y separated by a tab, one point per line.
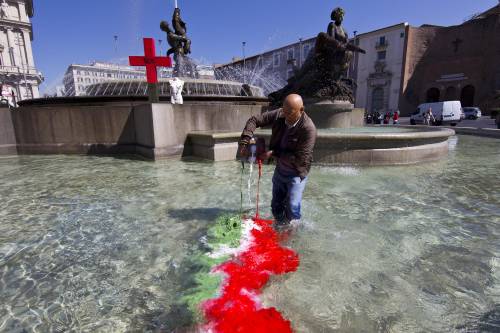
428	116
395	117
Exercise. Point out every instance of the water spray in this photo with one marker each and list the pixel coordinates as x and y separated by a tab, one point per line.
258	190
256	147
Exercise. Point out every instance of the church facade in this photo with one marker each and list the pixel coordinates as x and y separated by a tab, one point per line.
19	76
454	63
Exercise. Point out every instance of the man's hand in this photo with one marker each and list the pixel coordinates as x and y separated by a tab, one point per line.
265	156
243	150
243	147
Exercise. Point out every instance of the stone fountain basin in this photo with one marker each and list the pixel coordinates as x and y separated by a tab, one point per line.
379	145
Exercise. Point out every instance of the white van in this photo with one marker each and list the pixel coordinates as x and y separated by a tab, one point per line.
444	112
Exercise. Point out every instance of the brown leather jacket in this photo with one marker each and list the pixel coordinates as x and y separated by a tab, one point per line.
301	138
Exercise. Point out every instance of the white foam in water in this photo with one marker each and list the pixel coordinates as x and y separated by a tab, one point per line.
347	171
452	142
303	224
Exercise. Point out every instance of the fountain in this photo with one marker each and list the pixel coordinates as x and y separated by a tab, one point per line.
184	68
106	244
116	118
135	116
329	102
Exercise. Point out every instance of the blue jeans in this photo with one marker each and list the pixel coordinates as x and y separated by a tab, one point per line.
287	196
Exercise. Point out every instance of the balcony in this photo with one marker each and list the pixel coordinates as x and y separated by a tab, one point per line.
19	72
381	45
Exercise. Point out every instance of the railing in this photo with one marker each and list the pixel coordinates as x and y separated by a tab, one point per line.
19	69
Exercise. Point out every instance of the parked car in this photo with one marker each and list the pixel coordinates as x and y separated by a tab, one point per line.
472	113
445	113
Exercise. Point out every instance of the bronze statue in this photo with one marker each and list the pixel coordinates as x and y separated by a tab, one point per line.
177	39
338	39
180	45
324	73
181	30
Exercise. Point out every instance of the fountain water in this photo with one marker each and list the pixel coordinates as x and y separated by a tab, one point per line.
192	87
104	244
260	76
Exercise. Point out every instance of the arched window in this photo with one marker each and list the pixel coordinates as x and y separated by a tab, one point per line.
378	99
451	94
433	95
467	96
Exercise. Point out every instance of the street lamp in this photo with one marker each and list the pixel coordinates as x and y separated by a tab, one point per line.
244	61
300	52
115	37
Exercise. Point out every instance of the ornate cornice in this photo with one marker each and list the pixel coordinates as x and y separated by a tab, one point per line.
5	23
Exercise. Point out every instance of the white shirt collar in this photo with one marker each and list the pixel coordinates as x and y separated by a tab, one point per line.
290	126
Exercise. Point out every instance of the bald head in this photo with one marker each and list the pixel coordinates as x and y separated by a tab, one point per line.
293	107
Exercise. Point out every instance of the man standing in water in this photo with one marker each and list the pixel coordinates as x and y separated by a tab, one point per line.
292	142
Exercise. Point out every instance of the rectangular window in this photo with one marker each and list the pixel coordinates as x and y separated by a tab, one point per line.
382	40
258	63
381	55
402	35
307	48
290	54
276	60
289	74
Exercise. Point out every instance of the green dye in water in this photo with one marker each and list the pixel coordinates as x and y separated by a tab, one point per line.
225	232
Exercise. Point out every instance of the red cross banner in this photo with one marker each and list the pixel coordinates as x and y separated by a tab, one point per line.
150	60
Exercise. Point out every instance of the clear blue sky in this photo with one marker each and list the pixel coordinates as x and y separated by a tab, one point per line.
75	31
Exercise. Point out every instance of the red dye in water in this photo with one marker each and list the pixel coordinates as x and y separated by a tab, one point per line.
238	308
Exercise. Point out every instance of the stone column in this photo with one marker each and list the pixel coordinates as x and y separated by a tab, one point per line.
29	51
10	39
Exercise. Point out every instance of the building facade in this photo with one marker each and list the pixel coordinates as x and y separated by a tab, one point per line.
454	63
403	67
378	73
78	77
17	66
